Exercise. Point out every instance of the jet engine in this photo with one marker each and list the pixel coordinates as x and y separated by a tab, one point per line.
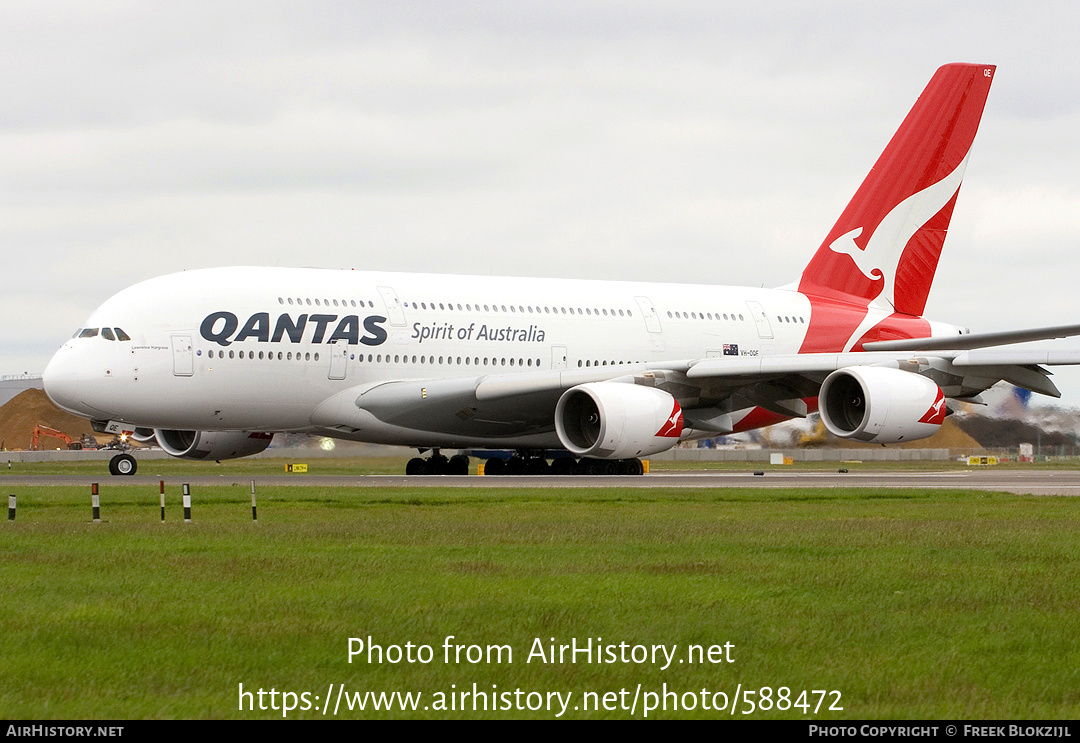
214	445
615	420
880	405
143	435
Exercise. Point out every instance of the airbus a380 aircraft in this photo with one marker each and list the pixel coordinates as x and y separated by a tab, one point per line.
212	362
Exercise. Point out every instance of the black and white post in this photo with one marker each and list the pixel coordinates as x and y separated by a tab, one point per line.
161	498
254	516
11	508
95	504
187	503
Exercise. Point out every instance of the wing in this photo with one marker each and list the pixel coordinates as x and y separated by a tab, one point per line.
977	340
507	410
892	389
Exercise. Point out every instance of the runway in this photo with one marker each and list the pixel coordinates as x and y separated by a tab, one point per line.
1033	482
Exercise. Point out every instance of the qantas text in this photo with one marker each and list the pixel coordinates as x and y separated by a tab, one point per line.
221	328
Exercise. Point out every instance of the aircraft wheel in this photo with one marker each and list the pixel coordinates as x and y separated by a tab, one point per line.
122	464
438	465
495	466
537	466
459	465
563	466
598	467
416	466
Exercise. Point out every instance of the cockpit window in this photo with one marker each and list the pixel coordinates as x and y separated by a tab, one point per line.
109	334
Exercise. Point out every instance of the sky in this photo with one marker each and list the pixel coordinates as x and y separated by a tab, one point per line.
702	142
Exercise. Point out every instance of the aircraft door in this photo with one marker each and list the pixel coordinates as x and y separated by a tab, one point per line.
183	360
394	310
558	358
339	359
761	320
652	320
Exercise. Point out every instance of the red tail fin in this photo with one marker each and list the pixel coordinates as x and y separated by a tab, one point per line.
884	249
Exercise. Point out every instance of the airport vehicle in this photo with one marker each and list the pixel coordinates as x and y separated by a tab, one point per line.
595	374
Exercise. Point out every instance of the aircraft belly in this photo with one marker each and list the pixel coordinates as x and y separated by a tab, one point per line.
476	419
400	413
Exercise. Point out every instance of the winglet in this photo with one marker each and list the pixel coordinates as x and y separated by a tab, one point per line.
884	249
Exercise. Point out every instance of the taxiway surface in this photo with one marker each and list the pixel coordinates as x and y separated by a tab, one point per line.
1034	482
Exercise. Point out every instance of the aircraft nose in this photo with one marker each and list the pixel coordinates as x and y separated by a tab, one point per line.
61	380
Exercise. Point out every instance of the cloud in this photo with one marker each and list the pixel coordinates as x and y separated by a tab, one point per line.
686	141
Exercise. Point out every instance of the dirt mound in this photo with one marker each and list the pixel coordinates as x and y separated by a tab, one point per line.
31	408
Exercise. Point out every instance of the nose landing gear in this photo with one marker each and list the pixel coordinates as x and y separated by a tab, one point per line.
123	464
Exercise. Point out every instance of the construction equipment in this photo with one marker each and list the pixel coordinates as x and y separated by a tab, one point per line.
40	430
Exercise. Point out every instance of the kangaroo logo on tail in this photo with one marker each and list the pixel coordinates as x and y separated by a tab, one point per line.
880	259
883	251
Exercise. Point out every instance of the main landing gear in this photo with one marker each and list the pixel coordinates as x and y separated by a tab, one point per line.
524	463
123	464
437	464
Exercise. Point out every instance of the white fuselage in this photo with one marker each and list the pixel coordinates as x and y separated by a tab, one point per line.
261	349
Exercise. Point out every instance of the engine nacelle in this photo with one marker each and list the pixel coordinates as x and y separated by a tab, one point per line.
880	405
615	420
212	444
143	435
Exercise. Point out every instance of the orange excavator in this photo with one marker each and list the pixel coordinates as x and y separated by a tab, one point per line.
40	430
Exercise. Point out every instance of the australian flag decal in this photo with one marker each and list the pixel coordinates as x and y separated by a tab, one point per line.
731	349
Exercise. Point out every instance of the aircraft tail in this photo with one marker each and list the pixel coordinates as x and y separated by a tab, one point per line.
883	251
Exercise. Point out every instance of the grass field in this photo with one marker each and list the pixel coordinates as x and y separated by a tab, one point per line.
910	604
